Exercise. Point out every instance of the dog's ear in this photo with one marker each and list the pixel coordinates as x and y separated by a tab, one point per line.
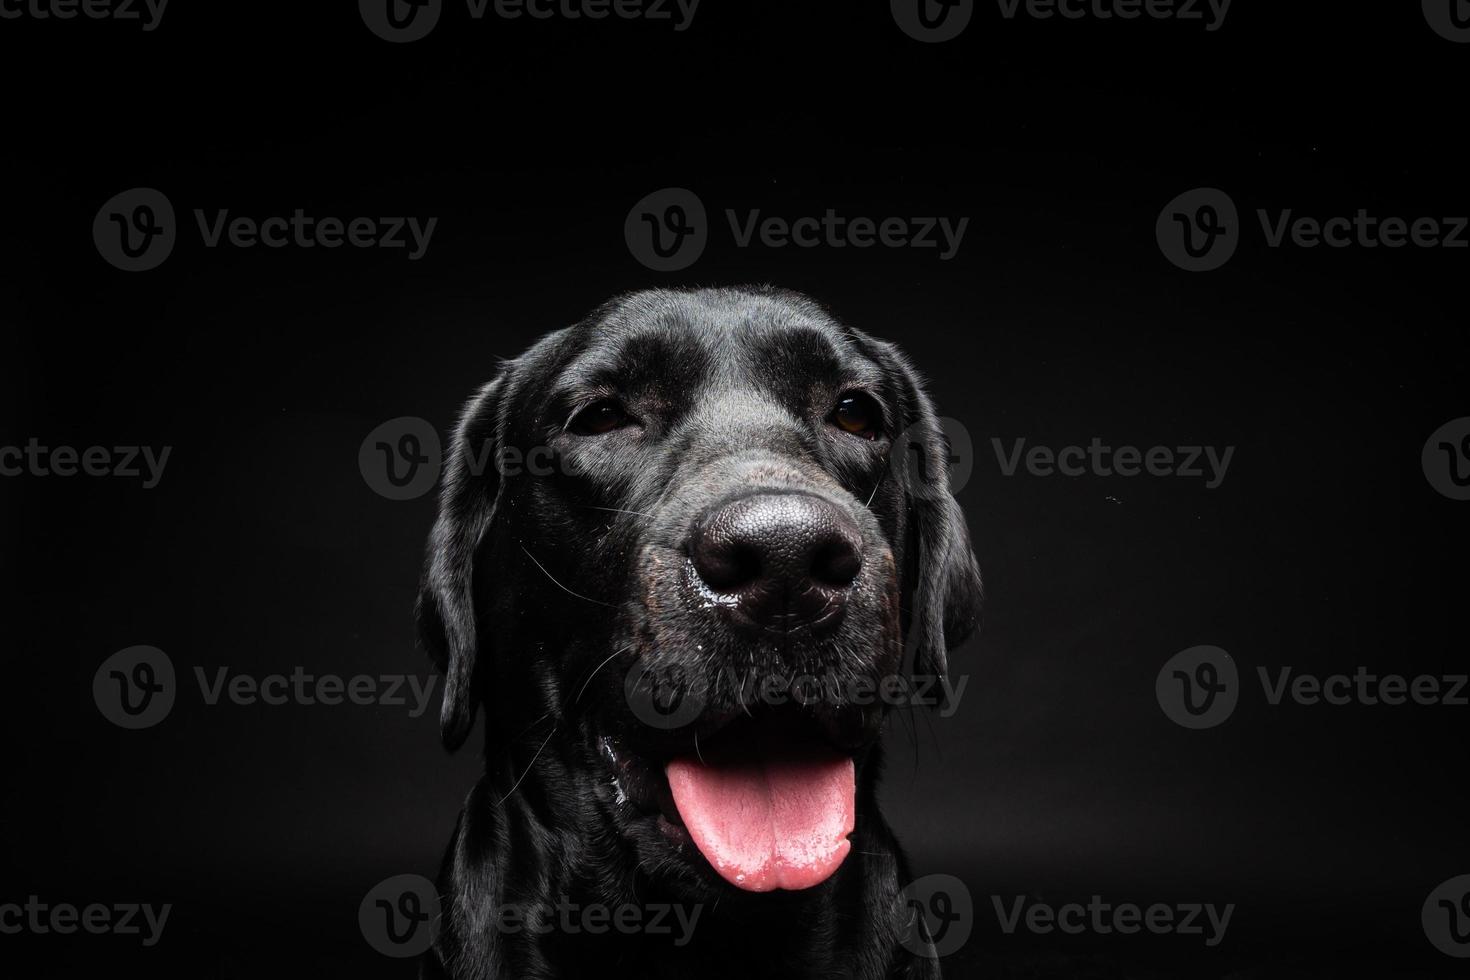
446	610
941	579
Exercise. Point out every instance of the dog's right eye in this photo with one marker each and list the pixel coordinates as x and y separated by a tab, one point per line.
857	414
599	418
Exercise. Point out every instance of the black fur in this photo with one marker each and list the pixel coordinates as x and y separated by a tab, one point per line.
550	577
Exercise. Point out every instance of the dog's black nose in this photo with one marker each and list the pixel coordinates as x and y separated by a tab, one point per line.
786	560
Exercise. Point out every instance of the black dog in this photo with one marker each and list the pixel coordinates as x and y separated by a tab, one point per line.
678	545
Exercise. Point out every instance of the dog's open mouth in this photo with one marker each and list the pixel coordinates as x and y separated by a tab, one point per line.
767	813
768	801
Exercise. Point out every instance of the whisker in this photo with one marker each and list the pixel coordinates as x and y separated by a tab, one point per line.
563	587
530	764
532	725
876	485
620	510
595	670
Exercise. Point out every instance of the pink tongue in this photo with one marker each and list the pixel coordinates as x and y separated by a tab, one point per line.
767	822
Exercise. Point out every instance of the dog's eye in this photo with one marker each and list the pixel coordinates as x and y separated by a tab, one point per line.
858	414
599	418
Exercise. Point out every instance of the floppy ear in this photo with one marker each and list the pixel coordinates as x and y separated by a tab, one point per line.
941	587
446	610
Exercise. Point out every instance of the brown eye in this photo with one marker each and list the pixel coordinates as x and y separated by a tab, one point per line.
599	418
858	414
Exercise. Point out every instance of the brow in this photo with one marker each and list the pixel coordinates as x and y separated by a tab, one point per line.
637	364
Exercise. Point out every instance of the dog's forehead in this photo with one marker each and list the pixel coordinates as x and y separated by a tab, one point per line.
714	337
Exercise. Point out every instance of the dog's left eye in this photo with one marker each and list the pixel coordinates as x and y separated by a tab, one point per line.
599	418
858	414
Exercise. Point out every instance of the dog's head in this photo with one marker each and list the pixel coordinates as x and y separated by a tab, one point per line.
682	549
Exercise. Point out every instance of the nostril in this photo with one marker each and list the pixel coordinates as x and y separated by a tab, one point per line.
836	563
726	566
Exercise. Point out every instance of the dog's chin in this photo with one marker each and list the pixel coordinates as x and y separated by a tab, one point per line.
753	801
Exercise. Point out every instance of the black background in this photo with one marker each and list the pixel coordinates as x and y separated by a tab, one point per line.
1059	777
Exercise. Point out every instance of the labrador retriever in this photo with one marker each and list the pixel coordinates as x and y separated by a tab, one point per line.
682	546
